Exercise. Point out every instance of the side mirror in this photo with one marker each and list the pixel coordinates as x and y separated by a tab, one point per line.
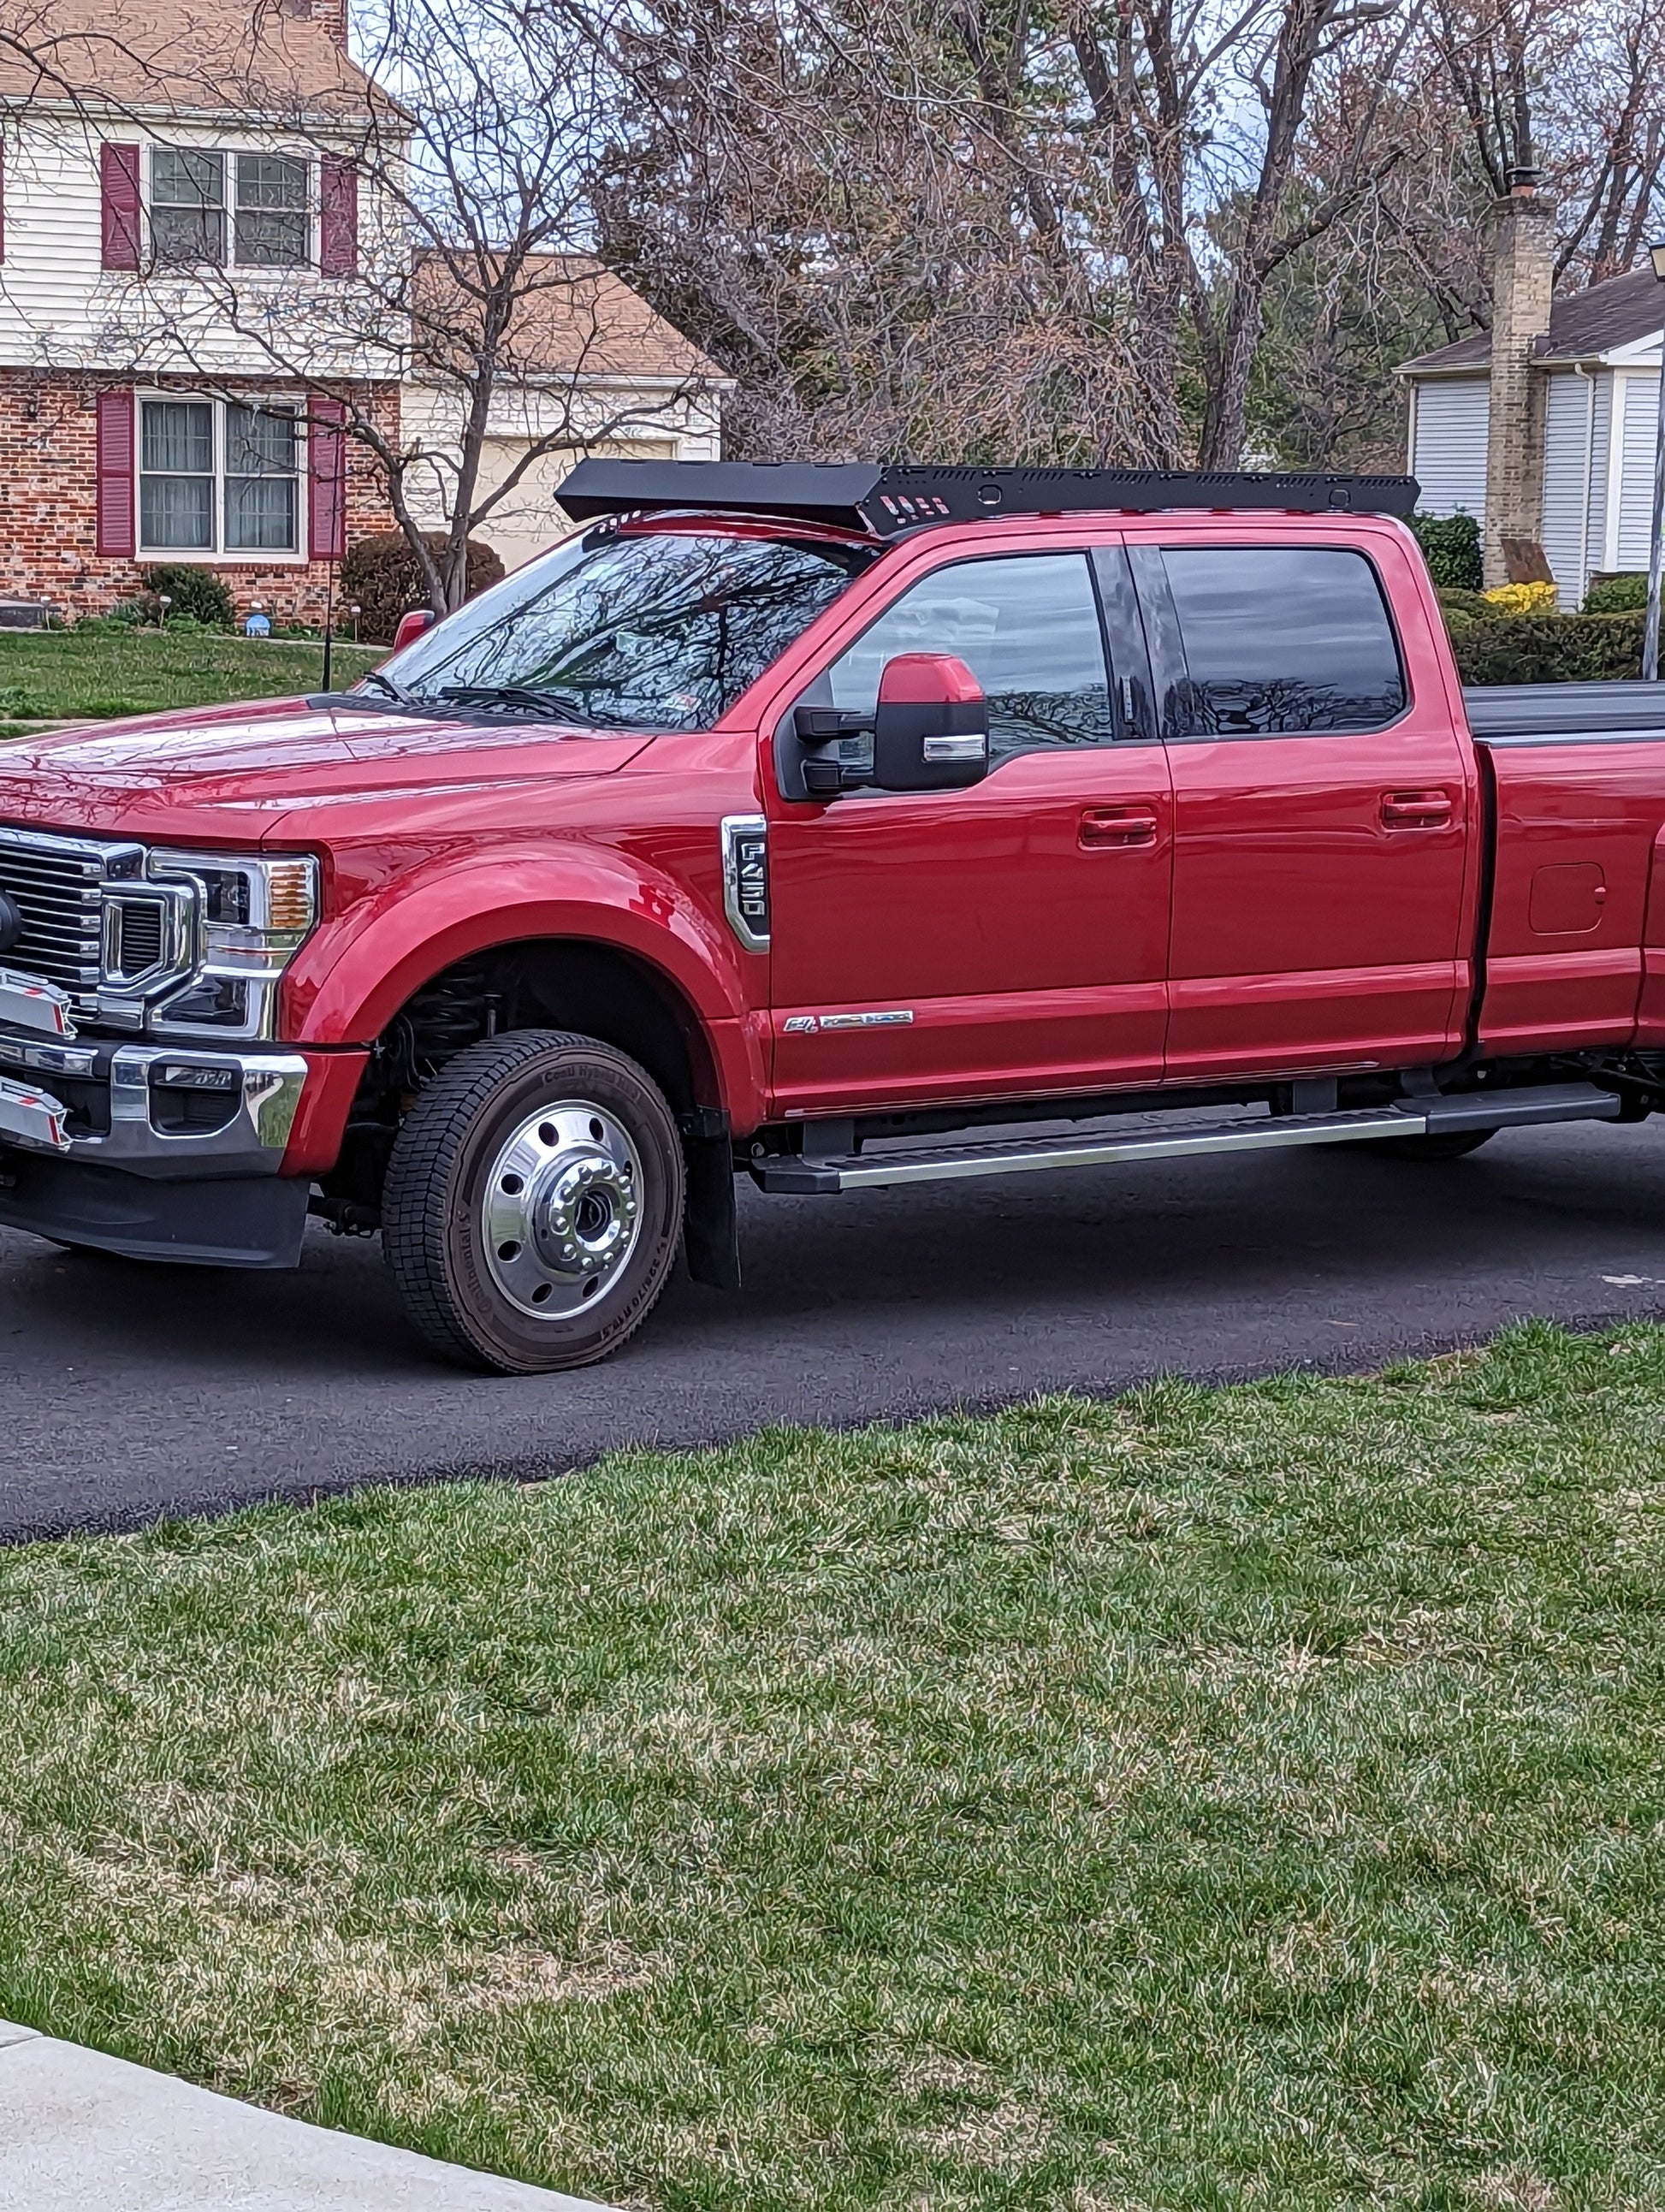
931	727
411	627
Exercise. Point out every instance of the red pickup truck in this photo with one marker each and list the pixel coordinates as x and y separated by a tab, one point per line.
848	827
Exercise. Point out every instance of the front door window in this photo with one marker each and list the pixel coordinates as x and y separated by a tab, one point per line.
1027	626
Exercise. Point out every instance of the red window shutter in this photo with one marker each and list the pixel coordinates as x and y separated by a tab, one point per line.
326	477
115	474
337	218
118	173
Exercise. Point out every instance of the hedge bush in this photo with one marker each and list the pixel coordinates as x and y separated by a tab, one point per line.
1618	595
1462	608
1451	546
1549	648
194	592
382	576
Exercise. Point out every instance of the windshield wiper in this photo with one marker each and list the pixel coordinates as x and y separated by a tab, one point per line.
514	698
394	692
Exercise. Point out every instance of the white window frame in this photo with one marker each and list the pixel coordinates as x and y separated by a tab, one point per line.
228	155
218	556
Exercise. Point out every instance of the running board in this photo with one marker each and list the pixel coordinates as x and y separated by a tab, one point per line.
815	1175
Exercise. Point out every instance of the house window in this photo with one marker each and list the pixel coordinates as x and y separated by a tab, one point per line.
218	477
187	208
271	211
269	217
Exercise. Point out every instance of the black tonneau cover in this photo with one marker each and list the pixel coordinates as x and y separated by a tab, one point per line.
1534	711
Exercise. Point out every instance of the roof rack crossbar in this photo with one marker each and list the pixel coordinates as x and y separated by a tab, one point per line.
885	500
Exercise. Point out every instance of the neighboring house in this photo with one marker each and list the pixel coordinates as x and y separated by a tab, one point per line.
179	169
1560	422
588	362
136	425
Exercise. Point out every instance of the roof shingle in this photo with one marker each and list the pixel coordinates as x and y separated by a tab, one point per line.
268	56
1582	325
575	318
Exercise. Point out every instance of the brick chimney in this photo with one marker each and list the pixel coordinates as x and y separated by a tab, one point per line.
332	13
1523	280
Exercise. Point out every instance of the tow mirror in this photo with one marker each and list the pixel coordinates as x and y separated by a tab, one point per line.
931	727
411	627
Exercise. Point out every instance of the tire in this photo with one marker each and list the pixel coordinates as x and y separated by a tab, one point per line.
1453	1144
533	1203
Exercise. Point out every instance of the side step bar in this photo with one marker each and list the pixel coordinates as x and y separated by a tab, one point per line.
815	1175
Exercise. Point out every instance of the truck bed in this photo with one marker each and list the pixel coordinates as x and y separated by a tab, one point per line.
1530	713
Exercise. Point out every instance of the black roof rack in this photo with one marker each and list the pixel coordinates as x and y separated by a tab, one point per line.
886	499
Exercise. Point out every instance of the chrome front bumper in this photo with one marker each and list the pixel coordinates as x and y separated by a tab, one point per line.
146	1109
145	1150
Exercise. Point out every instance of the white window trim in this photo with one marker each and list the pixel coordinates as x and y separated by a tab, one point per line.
198	557
228	150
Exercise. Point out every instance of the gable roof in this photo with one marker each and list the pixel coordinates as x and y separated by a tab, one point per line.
576	318
182	56
1583	325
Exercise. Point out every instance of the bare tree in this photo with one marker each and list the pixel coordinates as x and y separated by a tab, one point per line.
458	162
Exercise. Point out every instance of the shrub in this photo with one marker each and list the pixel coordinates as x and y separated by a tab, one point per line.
195	592
1524	598
1462	607
1617	595
1549	649
1451	546
127	614
382	576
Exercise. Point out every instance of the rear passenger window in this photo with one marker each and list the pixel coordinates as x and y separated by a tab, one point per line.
1279	639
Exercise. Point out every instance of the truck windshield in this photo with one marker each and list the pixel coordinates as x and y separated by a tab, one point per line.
654	629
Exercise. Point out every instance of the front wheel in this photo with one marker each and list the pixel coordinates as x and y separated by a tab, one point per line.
533	1203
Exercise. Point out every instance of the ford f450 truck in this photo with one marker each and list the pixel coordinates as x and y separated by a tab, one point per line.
848	827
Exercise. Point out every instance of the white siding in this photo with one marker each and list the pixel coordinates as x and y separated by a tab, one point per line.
60	308
1574	451
1606	386
1636	504
612	417
1450	463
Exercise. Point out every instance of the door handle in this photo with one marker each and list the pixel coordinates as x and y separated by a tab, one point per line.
1115	829
1416	810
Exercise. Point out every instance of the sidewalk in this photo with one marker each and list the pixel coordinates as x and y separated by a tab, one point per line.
80	2132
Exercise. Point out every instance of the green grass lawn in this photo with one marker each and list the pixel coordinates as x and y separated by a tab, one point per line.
1210	1799
68	674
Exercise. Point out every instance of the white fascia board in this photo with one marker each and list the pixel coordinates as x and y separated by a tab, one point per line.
557	380
1640	353
235	116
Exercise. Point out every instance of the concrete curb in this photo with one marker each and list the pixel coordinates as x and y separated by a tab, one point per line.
79	2130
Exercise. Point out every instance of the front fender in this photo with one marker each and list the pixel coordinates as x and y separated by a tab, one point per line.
352	977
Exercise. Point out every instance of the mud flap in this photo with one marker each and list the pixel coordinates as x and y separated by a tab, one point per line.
711	1232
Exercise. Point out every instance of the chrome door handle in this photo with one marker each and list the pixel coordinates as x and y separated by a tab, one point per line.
1416	810
1117	828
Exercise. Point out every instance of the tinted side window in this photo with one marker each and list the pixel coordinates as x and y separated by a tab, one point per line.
1027	626
1280	638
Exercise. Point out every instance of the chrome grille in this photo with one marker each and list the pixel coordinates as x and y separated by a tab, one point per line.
56	884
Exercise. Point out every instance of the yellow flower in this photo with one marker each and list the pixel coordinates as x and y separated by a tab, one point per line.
1525	599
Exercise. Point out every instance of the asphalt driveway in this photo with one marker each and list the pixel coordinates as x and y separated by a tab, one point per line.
128	1392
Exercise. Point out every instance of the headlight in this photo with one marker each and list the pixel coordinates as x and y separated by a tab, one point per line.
199	945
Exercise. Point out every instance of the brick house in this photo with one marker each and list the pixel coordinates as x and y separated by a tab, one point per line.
170	158
136	425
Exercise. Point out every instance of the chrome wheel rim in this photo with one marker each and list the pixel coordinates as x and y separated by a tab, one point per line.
561	1210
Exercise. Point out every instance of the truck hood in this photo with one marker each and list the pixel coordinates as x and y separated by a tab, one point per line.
234	771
